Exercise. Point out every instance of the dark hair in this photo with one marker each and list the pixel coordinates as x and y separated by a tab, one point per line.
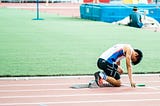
139	56
135	8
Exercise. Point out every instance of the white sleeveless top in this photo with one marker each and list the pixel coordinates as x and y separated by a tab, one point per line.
115	53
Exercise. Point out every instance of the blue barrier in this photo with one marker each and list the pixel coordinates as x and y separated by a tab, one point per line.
82	11
112	14
86	11
116	12
96	13
155	13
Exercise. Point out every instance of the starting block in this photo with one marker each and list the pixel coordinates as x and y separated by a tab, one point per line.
91	84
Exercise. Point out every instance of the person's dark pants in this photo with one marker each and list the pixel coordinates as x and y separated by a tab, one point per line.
108	68
137	25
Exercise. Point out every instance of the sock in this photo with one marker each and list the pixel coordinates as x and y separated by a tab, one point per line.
103	75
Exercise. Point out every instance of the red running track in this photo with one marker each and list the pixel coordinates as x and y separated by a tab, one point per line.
56	91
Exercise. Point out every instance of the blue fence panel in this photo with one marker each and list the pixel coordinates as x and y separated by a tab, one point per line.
116	12
96	13
154	13
112	14
86	11
82	11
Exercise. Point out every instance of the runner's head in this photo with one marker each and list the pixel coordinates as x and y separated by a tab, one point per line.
138	55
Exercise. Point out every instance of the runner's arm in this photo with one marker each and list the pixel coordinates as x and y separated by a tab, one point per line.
129	66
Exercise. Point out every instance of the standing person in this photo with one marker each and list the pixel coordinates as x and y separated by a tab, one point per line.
135	18
110	61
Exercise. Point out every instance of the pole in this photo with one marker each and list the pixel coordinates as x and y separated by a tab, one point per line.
37	11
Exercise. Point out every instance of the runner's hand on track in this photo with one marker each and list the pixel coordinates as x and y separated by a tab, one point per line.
133	85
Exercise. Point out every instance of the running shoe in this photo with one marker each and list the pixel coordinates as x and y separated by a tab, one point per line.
98	79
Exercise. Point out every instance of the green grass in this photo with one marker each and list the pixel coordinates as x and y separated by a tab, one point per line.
66	46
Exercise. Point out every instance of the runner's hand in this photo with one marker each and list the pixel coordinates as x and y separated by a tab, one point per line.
133	85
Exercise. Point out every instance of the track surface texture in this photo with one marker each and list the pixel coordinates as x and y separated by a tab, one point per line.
57	91
63	9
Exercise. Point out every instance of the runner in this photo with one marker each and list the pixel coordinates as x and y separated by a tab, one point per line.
110	60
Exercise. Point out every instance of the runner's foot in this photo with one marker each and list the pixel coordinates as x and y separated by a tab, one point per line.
98	79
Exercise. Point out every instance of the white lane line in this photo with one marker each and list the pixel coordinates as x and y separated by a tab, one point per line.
38	90
70	77
50	84
66	89
47	77
40	84
83	95
79	102
154	88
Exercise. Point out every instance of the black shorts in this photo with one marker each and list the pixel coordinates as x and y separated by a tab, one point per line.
108	68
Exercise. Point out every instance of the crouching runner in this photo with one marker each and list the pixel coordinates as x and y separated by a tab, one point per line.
110	61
